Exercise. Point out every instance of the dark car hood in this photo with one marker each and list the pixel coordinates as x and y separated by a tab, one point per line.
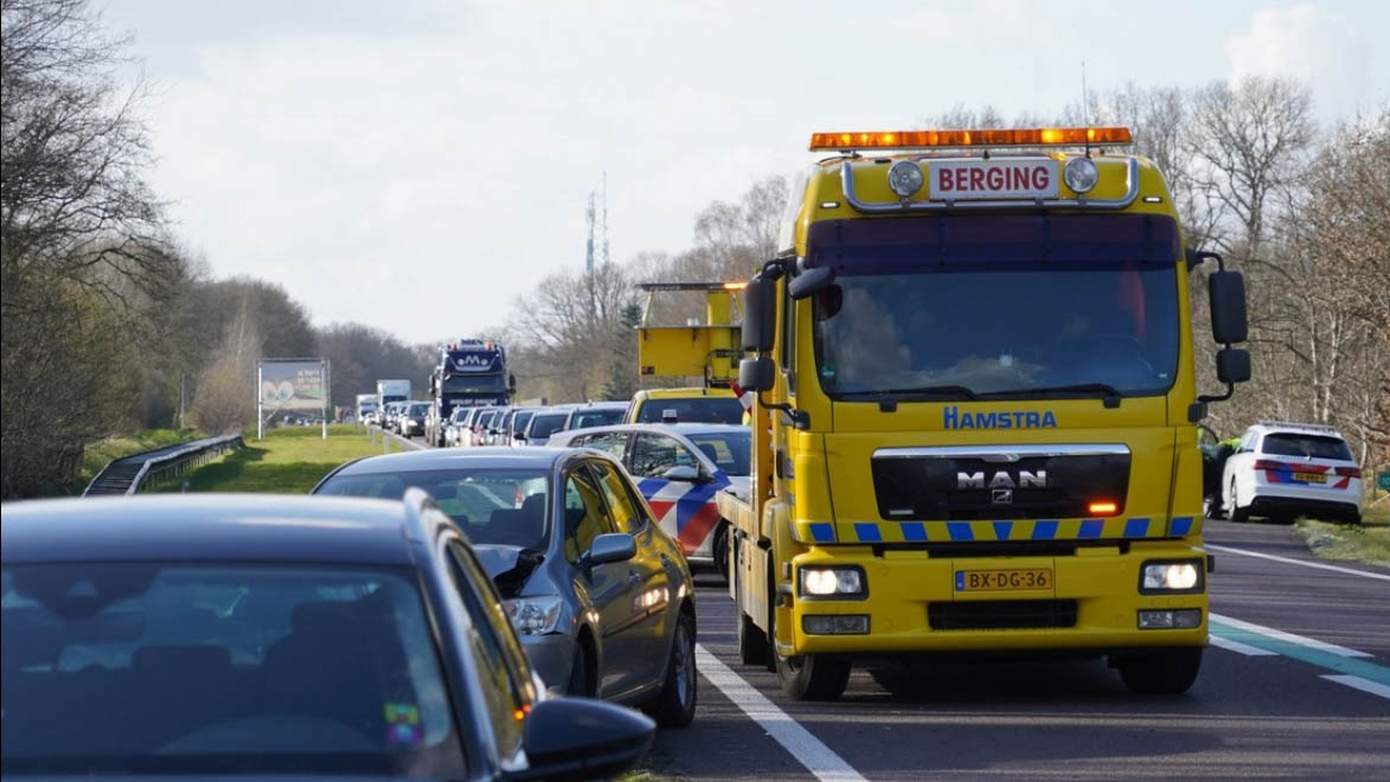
507	566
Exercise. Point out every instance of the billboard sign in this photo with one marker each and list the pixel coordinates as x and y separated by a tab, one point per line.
292	385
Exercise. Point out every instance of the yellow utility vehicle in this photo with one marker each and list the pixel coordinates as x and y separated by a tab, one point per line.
975	432
708	350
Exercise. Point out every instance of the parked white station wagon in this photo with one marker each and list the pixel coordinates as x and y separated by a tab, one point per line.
1283	470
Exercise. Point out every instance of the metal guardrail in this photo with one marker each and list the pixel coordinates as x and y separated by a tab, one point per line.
137	472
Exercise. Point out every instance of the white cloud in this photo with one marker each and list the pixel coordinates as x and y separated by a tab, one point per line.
1314	45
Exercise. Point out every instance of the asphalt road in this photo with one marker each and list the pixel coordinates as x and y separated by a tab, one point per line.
1262	707
1295	686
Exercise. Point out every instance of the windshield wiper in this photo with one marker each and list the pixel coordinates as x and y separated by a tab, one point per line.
1109	394
922	394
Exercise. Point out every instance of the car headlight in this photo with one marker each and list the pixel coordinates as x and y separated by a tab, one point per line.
833	582
535	615
1180	576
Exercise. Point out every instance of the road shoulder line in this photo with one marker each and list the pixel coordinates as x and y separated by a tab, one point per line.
1292	638
805	748
1230	645
1358	683
1304	563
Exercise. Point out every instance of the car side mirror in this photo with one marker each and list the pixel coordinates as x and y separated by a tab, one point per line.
683	472
520	437
580	738
610	547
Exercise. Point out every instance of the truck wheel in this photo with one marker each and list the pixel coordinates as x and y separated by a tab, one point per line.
752	643
813	677
1170	672
720	550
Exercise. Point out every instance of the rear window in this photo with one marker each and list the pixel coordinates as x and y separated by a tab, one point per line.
173	668
546	425
584	419
1307	446
500	507
699	410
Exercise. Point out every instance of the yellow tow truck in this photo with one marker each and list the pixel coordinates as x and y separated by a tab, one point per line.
975	432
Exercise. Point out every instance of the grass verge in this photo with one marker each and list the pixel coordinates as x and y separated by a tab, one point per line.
290	460
99	454
1368	543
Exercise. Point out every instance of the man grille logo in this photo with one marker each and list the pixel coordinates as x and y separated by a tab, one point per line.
1002	480
1001	496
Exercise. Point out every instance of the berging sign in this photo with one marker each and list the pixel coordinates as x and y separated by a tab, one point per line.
952	180
293	385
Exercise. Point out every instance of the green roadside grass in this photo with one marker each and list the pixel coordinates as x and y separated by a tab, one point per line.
99	454
290	460
1368	543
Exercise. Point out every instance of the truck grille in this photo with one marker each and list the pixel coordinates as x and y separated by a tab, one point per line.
998	482
1002	615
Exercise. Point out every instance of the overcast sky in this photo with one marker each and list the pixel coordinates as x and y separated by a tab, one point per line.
416	165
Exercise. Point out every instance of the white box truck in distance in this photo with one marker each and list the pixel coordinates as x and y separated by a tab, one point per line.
391	391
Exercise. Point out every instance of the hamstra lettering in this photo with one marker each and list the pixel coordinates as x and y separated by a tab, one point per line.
953	418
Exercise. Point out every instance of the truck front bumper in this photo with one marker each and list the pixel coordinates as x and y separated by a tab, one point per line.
913	604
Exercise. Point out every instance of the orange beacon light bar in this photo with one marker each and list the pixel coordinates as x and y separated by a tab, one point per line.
987	137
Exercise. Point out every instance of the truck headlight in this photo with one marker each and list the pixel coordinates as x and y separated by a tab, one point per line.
833	582
534	615
1179	576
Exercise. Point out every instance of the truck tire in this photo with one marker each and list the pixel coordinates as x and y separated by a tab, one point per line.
752	643
720	550
813	677
1168	672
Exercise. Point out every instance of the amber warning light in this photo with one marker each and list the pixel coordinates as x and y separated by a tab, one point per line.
989	137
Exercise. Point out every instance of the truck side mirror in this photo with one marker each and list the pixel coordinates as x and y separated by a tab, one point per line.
810	281
756	373
759	314
511	383
1227	297
1232	365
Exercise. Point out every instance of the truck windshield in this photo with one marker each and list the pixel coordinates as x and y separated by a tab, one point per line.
474	384
1000	307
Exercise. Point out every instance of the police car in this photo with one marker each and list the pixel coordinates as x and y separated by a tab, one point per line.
680	469
1285	470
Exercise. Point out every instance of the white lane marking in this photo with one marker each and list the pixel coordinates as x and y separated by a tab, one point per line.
1364	685
1240	648
1270	632
808	750
1304	563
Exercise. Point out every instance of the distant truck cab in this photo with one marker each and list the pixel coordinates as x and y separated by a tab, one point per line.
470	373
975	430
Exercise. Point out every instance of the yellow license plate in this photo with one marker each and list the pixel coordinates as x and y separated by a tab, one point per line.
1003	580
1310	477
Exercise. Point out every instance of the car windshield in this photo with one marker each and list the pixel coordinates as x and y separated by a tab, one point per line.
460	413
502	507
520	420
547	424
1006	306
695	410
419	408
730	451
583	419
1306	446
195	669
474	384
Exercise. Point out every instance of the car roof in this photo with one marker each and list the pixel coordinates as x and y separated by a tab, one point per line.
604	405
206	527
1271	427
693	392
686	429
495	457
